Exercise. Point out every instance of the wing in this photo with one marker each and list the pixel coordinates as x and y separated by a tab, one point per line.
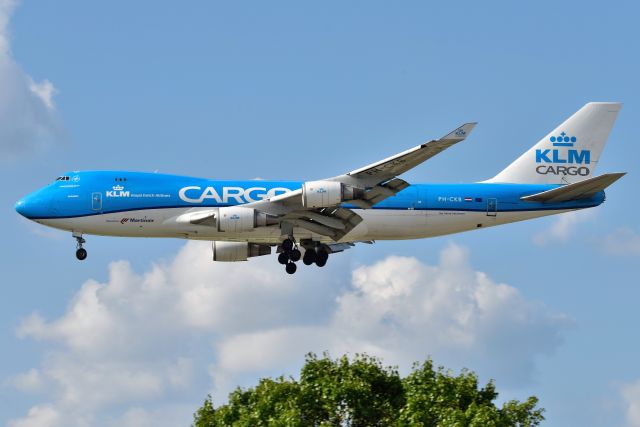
393	166
377	181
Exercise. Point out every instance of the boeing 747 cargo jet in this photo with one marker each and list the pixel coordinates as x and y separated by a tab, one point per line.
311	220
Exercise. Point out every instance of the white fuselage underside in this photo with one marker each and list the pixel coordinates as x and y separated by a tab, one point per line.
377	224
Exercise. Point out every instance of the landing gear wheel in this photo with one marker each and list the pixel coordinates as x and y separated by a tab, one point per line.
309	257
283	258
321	258
81	254
287	245
295	255
291	268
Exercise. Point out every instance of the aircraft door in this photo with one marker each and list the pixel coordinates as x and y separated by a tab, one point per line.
492	207
96	201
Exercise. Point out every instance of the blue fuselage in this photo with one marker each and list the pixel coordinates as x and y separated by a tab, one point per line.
81	194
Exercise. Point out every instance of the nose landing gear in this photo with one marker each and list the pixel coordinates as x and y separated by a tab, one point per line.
81	253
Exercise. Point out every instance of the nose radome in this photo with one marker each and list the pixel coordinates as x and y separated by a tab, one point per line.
22	207
36	205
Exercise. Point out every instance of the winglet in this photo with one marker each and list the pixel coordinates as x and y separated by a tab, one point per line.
461	132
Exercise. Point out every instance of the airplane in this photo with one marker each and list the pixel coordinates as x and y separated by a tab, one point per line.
312	219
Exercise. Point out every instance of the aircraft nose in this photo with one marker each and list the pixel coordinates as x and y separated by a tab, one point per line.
33	205
22	207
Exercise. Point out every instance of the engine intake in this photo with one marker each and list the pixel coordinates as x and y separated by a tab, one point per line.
238	251
323	194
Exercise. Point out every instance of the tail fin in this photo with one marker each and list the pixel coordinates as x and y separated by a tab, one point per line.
569	153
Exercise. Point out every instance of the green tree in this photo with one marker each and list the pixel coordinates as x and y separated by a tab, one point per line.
362	392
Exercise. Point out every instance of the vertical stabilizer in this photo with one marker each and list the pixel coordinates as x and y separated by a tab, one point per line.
569	153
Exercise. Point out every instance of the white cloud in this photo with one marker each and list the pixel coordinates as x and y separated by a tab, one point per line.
44	91
138	342
630	394
39	416
404	310
27	112
28	382
563	227
623	241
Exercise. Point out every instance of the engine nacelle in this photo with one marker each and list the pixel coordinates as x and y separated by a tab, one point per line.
323	194
238	251
236	219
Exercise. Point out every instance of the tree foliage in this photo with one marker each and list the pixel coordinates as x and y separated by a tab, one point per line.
362	392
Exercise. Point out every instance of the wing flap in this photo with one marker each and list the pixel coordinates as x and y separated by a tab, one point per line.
331	222
576	191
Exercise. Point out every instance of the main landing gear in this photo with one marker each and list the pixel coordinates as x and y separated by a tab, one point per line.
291	254
81	253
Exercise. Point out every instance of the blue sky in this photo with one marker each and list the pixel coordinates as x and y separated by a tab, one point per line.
293	90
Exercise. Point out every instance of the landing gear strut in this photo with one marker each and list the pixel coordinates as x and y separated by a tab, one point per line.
287	245
81	253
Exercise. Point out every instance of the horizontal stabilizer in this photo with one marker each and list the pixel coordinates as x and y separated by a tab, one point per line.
578	190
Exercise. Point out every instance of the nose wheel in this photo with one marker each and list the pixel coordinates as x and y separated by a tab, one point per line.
81	253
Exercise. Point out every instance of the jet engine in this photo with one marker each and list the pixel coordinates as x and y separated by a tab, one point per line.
236	219
323	194
238	251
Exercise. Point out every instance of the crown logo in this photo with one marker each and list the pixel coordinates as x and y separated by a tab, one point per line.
563	140
118	188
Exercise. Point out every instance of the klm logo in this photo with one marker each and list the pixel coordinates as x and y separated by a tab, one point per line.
117	191
563	159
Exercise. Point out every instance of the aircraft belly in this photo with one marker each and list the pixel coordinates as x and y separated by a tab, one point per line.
139	223
377	224
450	222
392	224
